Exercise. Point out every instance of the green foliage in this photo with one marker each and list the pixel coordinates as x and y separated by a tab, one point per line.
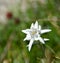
18	52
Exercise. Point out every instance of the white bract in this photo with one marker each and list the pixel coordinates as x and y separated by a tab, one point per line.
34	33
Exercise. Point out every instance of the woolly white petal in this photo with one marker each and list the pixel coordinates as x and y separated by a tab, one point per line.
45	31
26	31
28	37
39	27
30	44
32	25
36	25
45	39
37	37
41	40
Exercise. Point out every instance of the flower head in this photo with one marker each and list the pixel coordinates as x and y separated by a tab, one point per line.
17	21
34	33
9	15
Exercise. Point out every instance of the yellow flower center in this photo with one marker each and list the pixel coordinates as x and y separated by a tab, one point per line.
33	32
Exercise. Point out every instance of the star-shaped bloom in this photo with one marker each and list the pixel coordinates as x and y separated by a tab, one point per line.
34	34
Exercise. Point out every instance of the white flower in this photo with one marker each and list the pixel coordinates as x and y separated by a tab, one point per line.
34	33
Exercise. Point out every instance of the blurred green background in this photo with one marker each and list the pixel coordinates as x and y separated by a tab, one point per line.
12	47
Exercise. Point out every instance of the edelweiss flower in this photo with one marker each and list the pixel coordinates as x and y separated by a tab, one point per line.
34	33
